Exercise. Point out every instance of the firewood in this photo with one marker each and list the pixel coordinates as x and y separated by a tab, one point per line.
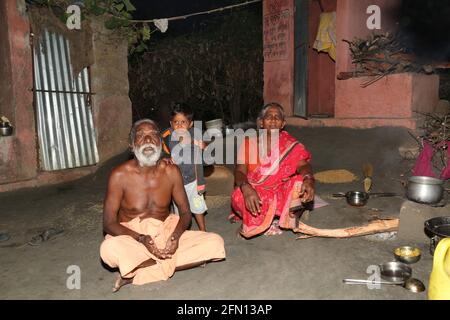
347	75
380	55
377	226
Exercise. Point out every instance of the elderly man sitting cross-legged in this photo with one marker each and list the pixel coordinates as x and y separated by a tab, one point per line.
144	240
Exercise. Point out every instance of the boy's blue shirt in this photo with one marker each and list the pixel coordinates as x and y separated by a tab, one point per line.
188	170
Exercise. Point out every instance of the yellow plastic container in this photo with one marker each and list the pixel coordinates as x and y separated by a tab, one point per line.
439	286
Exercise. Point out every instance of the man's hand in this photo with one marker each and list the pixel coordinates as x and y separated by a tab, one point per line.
152	248
252	200
307	191
167	160
171	247
200	143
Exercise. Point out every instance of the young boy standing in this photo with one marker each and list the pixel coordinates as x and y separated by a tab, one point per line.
178	141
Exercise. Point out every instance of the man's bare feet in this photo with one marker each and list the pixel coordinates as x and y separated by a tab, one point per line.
120	282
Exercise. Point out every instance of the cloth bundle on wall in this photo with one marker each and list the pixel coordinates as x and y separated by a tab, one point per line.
326	35
424	167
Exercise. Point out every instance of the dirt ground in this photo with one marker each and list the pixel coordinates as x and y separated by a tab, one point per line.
278	267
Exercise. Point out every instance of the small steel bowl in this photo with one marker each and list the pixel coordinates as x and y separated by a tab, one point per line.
407	254
395	271
357	198
6	131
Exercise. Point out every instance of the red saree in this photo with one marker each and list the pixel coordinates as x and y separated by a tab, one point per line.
276	184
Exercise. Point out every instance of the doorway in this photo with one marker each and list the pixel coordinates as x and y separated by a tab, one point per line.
315	72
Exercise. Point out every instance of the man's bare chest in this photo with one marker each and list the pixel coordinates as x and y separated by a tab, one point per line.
142	194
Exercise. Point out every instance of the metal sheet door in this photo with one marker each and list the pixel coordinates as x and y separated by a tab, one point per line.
66	132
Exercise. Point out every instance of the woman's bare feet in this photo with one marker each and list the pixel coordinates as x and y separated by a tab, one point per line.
120	282
239	234
274	229
233	218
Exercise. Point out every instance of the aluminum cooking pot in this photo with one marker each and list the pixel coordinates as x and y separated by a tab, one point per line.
425	190
437	229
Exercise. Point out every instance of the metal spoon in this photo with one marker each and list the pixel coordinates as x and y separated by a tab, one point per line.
414	285
360	281
411	284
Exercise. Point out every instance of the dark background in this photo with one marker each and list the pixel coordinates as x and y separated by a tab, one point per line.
223	81
426	24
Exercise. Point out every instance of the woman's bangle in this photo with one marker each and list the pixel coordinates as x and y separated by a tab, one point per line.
243	184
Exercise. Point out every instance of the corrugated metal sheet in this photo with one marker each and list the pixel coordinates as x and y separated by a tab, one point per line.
67	138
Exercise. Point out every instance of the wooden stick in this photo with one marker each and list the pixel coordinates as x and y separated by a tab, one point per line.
377	226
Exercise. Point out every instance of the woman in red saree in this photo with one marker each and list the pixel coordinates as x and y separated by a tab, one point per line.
273	186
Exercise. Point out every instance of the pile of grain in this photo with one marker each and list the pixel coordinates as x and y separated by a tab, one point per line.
335	176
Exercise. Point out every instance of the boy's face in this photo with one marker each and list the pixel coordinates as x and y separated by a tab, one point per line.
180	121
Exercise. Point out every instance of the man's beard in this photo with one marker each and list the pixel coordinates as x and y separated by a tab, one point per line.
147	158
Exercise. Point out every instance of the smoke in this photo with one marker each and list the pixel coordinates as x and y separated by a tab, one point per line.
425	25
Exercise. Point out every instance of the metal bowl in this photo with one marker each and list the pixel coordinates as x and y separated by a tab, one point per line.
6	131
357	198
407	254
395	271
214	124
425	190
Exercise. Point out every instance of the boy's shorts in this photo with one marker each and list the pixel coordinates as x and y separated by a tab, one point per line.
196	201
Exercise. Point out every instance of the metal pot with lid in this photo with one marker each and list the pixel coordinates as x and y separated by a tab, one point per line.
426	190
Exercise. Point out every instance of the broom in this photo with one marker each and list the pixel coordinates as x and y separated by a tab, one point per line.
368	173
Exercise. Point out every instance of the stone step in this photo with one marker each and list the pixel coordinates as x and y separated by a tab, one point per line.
412	218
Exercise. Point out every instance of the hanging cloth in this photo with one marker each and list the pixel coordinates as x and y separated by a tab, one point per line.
326	35
161	24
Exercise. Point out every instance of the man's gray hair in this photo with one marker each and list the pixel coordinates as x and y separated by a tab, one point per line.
269	105
137	124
